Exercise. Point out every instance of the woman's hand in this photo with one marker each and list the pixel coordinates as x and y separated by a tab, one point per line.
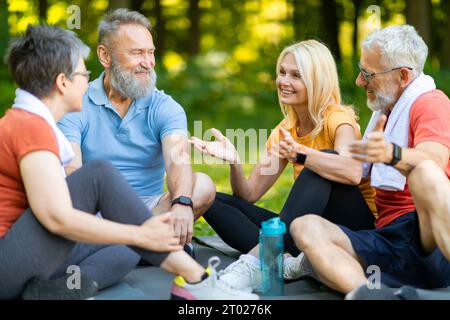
288	148
157	234
221	148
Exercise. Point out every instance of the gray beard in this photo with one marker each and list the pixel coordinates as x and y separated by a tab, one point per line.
381	102
127	85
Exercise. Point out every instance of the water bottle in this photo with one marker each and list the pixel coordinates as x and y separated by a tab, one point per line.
271	250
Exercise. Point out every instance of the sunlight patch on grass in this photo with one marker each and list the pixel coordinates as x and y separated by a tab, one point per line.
220	173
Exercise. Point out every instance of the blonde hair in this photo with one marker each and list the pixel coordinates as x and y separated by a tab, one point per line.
318	71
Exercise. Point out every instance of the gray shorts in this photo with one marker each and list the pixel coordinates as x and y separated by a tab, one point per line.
151	201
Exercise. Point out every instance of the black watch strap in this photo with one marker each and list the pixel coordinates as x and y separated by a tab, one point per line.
185	201
396	155
300	158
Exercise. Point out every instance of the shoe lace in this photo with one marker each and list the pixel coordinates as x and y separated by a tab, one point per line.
213	263
225	286
289	267
299	266
307	267
239	267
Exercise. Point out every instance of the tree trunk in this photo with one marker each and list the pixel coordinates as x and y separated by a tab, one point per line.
297	18
357	9
43	7
418	13
4	28
136	5
116	4
160	27
329	30
194	29
445	57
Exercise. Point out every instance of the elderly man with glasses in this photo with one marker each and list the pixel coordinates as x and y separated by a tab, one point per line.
405	151
141	130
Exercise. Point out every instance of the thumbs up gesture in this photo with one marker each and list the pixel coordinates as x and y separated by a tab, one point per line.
375	148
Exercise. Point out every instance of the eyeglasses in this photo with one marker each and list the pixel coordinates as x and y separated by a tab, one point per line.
85	74
367	76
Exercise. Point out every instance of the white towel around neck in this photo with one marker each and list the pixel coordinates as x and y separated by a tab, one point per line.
396	131
28	102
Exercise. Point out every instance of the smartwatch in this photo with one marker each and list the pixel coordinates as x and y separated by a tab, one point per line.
185	201
300	158
396	155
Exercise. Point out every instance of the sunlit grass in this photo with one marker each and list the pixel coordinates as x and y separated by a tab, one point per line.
220	173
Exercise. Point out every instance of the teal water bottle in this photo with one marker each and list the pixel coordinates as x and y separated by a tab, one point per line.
271	250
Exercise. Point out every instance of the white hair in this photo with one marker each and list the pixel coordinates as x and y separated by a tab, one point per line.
400	46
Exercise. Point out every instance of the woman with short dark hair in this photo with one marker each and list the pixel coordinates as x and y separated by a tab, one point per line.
44	217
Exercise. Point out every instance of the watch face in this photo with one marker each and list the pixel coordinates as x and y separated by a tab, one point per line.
185	200
300	158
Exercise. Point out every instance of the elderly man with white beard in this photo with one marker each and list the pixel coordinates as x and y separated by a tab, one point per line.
406	153
139	129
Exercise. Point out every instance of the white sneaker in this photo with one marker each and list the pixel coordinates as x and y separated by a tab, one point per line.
243	274
212	288
296	267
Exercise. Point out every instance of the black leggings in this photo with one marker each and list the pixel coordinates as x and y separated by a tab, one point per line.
29	250
238	222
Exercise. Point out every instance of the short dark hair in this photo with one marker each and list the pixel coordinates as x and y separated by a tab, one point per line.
43	52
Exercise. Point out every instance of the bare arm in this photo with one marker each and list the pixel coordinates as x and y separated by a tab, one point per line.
180	178
263	176
77	162
180	182
49	198
411	157
378	149
340	168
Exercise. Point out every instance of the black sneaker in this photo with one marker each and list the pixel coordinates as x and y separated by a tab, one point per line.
189	248
57	289
384	293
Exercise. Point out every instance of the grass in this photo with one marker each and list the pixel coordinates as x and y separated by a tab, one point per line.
220	173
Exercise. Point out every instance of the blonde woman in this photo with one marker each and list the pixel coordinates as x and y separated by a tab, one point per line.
314	136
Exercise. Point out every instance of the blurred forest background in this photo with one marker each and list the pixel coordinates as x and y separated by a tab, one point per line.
217	57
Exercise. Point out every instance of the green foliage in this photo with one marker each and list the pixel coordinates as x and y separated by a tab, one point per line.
273	200
231	82
214	88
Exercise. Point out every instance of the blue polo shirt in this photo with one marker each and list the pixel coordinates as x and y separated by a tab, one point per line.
132	144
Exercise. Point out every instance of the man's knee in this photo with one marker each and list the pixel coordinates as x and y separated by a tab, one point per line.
204	192
426	180
305	231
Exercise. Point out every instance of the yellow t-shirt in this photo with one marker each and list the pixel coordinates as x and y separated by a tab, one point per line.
334	117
